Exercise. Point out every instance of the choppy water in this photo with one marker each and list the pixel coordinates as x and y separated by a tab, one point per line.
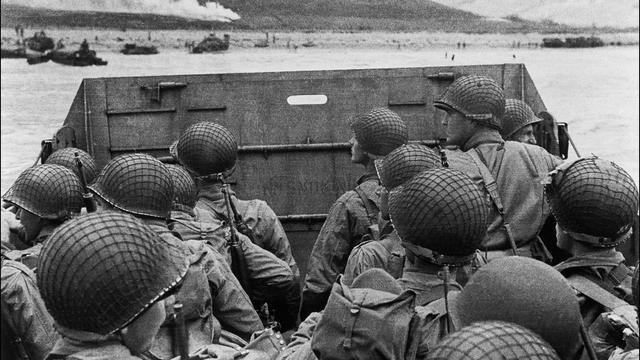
594	90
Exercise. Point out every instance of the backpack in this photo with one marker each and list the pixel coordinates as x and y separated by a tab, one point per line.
367	324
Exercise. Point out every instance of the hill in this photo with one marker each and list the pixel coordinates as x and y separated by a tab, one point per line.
619	13
295	15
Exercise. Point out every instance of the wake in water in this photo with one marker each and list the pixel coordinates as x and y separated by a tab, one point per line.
183	8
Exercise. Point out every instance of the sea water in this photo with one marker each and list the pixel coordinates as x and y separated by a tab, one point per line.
594	90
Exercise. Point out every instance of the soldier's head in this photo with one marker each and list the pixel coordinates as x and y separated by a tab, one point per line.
206	149
440	215
108	273
471	102
44	194
594	201
67	158
526	292
518	120
399	166
375	134
184	188
492	340
138	184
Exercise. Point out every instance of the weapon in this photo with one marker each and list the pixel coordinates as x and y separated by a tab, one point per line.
181	336
238	261
87	197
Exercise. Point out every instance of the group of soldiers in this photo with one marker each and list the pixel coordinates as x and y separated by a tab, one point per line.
435	254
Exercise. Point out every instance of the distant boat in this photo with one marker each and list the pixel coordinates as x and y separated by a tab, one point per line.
134	49
39	42
262	43
13	53
573	42
212	43
309	43
75	58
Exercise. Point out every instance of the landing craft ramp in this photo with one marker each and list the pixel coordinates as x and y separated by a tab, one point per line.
292	127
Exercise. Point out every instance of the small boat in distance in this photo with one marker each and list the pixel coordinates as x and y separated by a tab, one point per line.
135	49
212	43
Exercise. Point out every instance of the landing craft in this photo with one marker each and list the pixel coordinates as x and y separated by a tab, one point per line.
292	127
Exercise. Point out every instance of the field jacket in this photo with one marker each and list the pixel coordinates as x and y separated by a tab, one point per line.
271	279
256	214
518	170
25	319
346	224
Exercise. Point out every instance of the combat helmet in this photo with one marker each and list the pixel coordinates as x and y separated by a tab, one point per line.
206	148
488	340
99	272
593	200
526	292
136	183
184	188
379	131
440	215
517	114
67	158
478	98
48	191
404	162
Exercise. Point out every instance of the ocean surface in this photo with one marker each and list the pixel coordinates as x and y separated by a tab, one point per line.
594	90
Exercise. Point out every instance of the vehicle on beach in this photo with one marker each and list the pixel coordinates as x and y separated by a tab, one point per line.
39	42
292	127
212	43
135	49
573	42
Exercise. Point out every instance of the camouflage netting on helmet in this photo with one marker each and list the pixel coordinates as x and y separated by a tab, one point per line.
48	191
403	163
379	131
526	292
517	114
98	272
441	210
66	157
479	98
206	148
594	197
493	340
184	188
136	183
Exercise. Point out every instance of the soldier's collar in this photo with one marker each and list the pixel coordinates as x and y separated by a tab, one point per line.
367	177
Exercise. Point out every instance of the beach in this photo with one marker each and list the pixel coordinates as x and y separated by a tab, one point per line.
112	40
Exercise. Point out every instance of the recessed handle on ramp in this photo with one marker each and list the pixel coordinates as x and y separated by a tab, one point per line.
163	85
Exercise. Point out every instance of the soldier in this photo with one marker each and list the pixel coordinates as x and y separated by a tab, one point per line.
595	203
66	157
528	293
104	278
510	171
394	169
271	279
141	185
354	215
209	152
44	197
493	340
517	123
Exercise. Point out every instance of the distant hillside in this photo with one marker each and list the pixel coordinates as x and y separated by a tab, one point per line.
295	15
614	13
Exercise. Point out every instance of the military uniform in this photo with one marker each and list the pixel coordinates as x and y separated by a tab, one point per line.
522	198
511	172
386	253
256	214
26	324
271	279
348	221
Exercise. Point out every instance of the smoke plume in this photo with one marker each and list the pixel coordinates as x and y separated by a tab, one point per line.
183	8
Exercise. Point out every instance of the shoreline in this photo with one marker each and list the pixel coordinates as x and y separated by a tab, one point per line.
112	40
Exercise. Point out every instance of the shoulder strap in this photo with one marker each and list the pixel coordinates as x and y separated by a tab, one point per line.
492	189
595	292
371	212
